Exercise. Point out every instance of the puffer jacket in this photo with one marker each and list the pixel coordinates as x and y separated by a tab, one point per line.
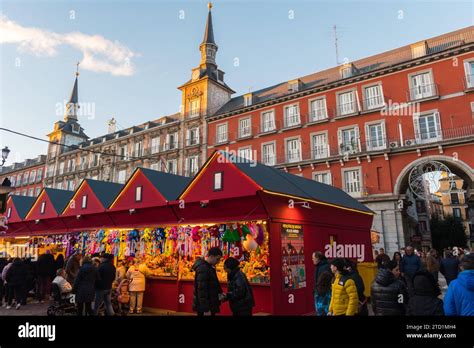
459	299
84	285
16	274
425	300
136	275
240	293
206	287
410	264
344	298
386	294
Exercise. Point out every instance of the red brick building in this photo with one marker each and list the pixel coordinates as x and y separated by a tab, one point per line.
26	177
363	126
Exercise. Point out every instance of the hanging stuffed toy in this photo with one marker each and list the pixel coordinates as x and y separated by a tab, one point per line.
261	235
245	231
249	244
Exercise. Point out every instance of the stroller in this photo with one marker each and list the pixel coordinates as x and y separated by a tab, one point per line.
119	298
61	305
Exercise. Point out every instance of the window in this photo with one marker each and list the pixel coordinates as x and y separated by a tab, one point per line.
352	183
293	86
323	177
469	70
95	160
373	97
269	154
221	131
139	148
39	176
245	129
191	165
24	192
84	202
9	212
292	115
454	198
427	127
172	166
218	181
138	193
95	177
420	207
346	72
375	134
421	86
121	176
320	145
61	168
457	213
18	180
43	207
318	110
193	136
59	185
247	100
194	106
155	145
245	153
268	121
31	192
70	185
171	141
293	150
38	190
122	152
346	103
25	178
13	180
32	177
155	166
349	140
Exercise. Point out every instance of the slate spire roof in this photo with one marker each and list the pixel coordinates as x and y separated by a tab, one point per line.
209	32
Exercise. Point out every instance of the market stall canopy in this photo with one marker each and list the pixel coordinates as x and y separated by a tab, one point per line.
145	198
87	206
43	215
225	175
18	207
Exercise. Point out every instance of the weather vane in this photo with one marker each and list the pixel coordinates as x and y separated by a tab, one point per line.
77	68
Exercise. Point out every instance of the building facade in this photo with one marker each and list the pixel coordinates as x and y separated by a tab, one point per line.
26	177
363	126
454	201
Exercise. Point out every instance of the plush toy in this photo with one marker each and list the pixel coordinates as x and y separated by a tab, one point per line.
245	231
261	235
195	233
250	244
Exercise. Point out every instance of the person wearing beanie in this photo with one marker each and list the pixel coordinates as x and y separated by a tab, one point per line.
459	299
389	293
425	301
344	298
239	295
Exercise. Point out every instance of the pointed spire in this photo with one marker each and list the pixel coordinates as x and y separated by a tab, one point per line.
72	104
209	32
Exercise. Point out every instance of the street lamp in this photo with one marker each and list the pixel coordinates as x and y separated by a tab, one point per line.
5	152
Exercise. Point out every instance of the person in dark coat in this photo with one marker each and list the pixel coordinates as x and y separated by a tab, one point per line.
16	280
103	285
239	293
207	290
382	259
72	267
84	286
3	263
59	262
45	273
409	265
30	279
321	265
389	293
353	274
425	301
449	267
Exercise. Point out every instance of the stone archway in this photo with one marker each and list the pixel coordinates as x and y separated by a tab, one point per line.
457	167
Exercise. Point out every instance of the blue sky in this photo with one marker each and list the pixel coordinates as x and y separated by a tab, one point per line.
273	41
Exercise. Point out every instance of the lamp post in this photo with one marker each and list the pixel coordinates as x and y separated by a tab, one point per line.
5	152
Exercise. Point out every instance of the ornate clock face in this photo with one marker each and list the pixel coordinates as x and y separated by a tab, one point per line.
195	75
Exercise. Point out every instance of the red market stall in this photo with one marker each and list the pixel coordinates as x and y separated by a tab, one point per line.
16	209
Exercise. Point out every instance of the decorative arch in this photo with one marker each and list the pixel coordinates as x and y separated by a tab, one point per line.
455	165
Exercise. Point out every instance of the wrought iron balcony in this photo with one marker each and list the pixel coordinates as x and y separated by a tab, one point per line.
423	92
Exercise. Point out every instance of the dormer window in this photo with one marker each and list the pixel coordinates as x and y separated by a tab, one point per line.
138	193
347	71
43	207
218	181
419	49
75	128
84	202
194	106
248	99
9	212
293	86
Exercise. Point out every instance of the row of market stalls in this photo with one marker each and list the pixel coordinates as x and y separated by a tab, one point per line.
270	220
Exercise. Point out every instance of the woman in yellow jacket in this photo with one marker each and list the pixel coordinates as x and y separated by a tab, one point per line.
344	298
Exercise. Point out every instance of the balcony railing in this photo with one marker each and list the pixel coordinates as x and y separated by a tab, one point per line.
374	103
423	92
317	115
269	160
469	81
268	126
346	109
154	149
222	138
293	156
245	132
190	173
291	121
192	141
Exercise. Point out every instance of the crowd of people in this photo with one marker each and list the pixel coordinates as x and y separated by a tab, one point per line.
405	284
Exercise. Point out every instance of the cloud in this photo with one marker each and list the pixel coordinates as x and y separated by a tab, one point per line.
99	53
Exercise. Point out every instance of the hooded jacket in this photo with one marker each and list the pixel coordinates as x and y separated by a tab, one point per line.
459	299
386	294
206	287
425	300
239	293
344	298
449	267
84	285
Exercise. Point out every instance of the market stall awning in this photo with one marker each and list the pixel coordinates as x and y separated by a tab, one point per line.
18	207
225	175
87	206
145	198
44	214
